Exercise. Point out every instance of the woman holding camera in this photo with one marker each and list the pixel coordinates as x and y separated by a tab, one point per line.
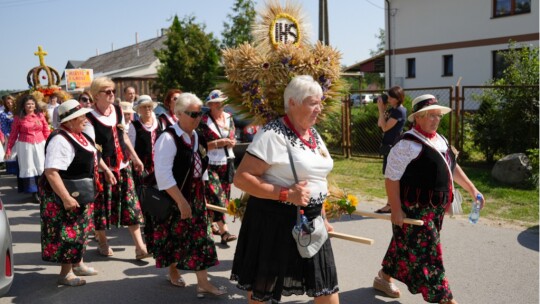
391	121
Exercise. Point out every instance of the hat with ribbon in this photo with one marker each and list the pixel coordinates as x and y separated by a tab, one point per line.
425	103
71	109
144	100
215	96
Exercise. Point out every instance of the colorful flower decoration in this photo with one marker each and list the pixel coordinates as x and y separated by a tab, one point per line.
258	73
237	206
339	202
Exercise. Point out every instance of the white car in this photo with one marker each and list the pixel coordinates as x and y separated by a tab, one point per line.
6	252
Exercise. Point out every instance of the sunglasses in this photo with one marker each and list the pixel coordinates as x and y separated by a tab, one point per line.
109	92
85	99
193	114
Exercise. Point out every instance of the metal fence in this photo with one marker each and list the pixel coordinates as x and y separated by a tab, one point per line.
354	131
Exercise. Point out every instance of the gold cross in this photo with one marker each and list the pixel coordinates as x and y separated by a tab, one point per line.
41	54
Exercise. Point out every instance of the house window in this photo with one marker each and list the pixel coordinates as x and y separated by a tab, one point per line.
411	67
448	65
499	64
503	8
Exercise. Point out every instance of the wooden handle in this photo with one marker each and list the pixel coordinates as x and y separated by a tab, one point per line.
386	216
352	238
334	234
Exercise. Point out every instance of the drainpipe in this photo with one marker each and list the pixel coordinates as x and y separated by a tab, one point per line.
389	47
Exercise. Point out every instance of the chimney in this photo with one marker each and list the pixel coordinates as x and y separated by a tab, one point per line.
112	46
97	52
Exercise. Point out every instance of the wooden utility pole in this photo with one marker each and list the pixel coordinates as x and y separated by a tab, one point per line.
323	22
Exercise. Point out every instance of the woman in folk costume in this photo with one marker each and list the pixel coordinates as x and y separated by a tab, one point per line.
118	205
183	242
168	118
65	224
217	126
419	175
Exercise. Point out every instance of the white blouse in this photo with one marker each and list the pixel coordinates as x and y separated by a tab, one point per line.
218	156
313	166
405	151
164	154
60	152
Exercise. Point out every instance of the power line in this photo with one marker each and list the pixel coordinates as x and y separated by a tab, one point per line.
375	5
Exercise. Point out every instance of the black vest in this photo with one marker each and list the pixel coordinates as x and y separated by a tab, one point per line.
82	165
426	179
183	162
104	138
143	143
164	122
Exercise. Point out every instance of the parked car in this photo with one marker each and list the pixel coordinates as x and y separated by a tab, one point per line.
245	130
361	99
6	252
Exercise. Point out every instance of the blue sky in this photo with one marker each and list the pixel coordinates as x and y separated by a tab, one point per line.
76	30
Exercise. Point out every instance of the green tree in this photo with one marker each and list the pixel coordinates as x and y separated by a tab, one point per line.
190	60
381	45
507	120
238	30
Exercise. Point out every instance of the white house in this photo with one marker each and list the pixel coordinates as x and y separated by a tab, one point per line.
436	42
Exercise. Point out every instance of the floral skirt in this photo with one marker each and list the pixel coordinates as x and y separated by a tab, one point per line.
189	242
218	190
267	262
117	205
414	255
64	233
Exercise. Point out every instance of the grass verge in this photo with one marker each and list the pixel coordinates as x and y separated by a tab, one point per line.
363	178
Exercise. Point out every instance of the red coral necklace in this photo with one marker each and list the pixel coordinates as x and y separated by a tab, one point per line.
311	145
79	137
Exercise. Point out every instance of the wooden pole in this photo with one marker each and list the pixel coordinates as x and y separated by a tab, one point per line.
386	216
347	237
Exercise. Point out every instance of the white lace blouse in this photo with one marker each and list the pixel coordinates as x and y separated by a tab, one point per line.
312	165
405	151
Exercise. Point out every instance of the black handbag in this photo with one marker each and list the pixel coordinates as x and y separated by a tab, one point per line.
155	202
83	190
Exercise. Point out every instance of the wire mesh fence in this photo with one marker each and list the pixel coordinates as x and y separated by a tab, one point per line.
471	126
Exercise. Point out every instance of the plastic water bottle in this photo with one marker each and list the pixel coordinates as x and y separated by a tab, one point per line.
475	209
304	223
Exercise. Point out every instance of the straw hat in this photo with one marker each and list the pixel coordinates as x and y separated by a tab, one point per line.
143	100
425	103
215	96
71	109
127	107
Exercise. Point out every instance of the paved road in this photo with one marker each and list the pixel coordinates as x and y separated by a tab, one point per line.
485	264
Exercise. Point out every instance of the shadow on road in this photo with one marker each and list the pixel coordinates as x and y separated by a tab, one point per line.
529	238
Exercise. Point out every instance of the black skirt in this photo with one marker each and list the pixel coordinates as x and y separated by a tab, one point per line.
267	262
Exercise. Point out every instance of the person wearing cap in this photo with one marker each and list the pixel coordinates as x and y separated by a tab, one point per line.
29	131
183	241
217	127
117	205
419	181
69	154
391	122
168	118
